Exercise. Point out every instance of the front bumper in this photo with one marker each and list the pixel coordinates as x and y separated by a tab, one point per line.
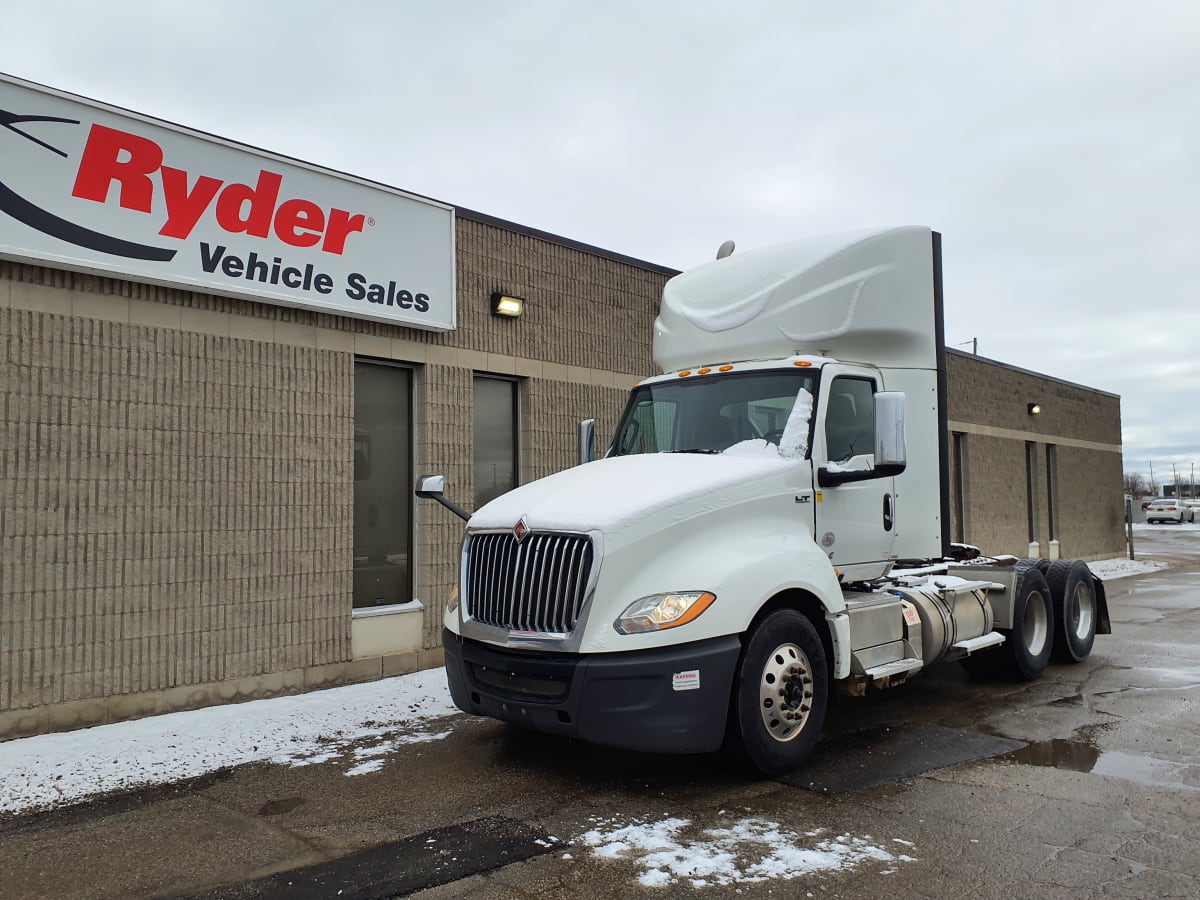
667	700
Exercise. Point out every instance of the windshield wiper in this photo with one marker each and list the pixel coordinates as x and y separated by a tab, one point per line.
696	450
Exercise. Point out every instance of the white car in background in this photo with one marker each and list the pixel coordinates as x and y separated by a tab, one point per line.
1170	510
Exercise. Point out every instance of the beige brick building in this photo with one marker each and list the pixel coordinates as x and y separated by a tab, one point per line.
206	499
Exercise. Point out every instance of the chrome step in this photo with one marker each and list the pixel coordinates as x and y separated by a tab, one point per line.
991	639
896	667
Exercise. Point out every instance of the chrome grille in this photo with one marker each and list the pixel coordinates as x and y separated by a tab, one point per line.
538	584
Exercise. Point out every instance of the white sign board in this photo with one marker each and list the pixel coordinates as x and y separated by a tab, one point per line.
88	187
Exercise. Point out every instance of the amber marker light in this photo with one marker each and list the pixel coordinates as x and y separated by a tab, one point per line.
703	371
685	373
802	363
725	369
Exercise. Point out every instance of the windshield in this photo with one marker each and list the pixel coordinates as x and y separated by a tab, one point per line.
708	414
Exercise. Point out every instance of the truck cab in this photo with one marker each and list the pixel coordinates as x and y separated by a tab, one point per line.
730	558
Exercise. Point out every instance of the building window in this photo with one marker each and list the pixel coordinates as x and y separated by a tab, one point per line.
960	485
1031	488
382	479
1052	489
494	433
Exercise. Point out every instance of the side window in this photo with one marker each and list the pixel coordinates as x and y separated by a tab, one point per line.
850	419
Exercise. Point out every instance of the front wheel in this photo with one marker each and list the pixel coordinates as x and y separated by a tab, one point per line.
780	693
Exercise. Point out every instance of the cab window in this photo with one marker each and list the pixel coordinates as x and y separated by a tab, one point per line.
850	418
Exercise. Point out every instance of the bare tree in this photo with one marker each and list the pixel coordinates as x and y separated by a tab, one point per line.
1135	484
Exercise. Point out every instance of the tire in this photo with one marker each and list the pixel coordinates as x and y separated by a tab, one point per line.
1042	565
782	671
1031	640
1075	609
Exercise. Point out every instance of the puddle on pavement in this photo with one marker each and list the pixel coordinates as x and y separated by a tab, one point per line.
891	753
1079	756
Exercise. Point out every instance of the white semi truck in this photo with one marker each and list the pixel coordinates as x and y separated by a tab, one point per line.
770	522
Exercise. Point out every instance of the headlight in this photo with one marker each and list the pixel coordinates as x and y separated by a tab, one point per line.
452	603
659	611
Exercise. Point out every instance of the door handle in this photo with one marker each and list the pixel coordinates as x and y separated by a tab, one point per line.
887	512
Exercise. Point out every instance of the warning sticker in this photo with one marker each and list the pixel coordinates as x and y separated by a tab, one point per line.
686	681
911	616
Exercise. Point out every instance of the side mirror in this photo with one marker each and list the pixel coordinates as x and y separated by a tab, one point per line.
587	440
432	487
891	456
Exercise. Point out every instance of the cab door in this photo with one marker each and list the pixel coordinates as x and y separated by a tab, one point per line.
855	520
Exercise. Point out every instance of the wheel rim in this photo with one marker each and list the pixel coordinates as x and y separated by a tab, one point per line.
785	692
1035	627
1080	612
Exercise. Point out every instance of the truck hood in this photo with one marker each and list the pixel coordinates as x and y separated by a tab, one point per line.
611	494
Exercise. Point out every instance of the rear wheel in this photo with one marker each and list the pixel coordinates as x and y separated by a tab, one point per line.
1074	596
780	693
1042	565
1031	638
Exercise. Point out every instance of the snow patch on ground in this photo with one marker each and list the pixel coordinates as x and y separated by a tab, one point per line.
1108	569
670	851
359	723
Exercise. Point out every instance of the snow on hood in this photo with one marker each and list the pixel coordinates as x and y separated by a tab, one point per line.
609	494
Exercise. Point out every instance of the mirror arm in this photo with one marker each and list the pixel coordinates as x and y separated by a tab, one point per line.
453	507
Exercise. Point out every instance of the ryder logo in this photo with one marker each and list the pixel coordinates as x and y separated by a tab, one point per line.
136	167
128	160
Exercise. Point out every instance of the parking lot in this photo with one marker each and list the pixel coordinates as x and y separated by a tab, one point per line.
1085	783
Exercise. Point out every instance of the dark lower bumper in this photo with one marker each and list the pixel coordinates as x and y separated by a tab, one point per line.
668	700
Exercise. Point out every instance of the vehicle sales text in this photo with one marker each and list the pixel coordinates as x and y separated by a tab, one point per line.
357	287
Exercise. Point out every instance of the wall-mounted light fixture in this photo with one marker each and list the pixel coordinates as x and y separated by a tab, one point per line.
1034	409
504	305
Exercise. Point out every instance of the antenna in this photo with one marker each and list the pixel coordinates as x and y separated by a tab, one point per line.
726	249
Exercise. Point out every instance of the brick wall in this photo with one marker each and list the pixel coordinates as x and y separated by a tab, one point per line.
989	402
175	507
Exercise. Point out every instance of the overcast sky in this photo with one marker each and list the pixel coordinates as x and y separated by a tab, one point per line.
1054	145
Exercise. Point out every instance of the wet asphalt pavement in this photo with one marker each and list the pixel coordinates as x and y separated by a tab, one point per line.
1085	783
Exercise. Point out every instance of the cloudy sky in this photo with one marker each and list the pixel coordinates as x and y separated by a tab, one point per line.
1055	145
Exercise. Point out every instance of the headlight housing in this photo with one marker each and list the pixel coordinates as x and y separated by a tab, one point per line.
660	611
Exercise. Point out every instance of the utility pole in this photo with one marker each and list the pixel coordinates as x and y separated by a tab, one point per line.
1153	489
1175	478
